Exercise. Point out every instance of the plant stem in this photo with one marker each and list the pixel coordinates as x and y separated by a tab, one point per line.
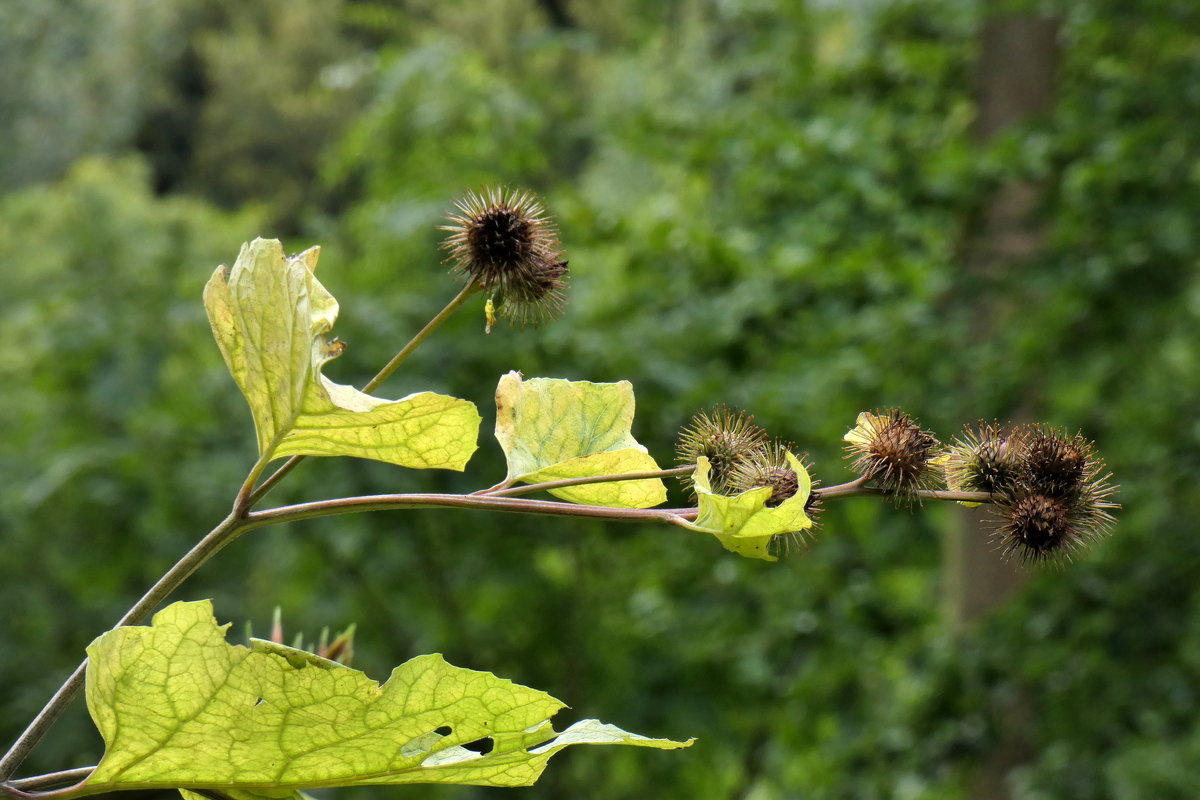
840	489
423	334
373	384
205	549
856	488
53	779
270	482
504	484
501	490
393	502
241	503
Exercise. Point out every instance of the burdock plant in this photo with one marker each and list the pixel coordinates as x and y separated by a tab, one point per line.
178	706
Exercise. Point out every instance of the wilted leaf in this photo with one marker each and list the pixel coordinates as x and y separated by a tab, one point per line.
744	523
270	316
552	429
179	707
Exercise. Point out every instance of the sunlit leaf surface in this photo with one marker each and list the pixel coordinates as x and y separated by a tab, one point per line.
270	316
178	706
551	429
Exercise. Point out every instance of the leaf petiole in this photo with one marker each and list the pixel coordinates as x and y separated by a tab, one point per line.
503	490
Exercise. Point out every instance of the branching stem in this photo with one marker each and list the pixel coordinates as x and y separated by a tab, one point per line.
207	547
498	498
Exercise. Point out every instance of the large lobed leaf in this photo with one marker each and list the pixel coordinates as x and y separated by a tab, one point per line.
552	429
177	706
270	316
744	523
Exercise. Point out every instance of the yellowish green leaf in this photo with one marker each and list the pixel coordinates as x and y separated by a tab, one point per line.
177	706
552	429
744	524
422	430
270	316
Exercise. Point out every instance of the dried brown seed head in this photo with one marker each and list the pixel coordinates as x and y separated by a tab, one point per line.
892	450
1035	526
986	458
1058	465
504	241
768	467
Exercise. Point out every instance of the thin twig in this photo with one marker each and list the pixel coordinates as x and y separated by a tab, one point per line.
423	334
502	491
504	484
393	502
855	488
839	489
243	500
50	779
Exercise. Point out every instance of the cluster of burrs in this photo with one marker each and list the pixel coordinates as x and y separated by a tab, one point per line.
1048	490
741	457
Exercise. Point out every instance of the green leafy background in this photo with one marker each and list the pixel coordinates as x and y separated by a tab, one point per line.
764	204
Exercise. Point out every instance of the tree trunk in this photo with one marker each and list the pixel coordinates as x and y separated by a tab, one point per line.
1015	82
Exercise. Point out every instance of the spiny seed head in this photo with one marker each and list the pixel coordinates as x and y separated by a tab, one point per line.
1035	526
986	458
1093	507
777	473
538	300
1057	465
813	506
728	440
768	467
503	240
893	451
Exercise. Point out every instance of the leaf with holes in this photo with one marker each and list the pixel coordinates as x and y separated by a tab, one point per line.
551	429
270	316
744	523
177	706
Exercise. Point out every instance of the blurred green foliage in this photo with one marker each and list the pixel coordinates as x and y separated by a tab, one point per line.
764	204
